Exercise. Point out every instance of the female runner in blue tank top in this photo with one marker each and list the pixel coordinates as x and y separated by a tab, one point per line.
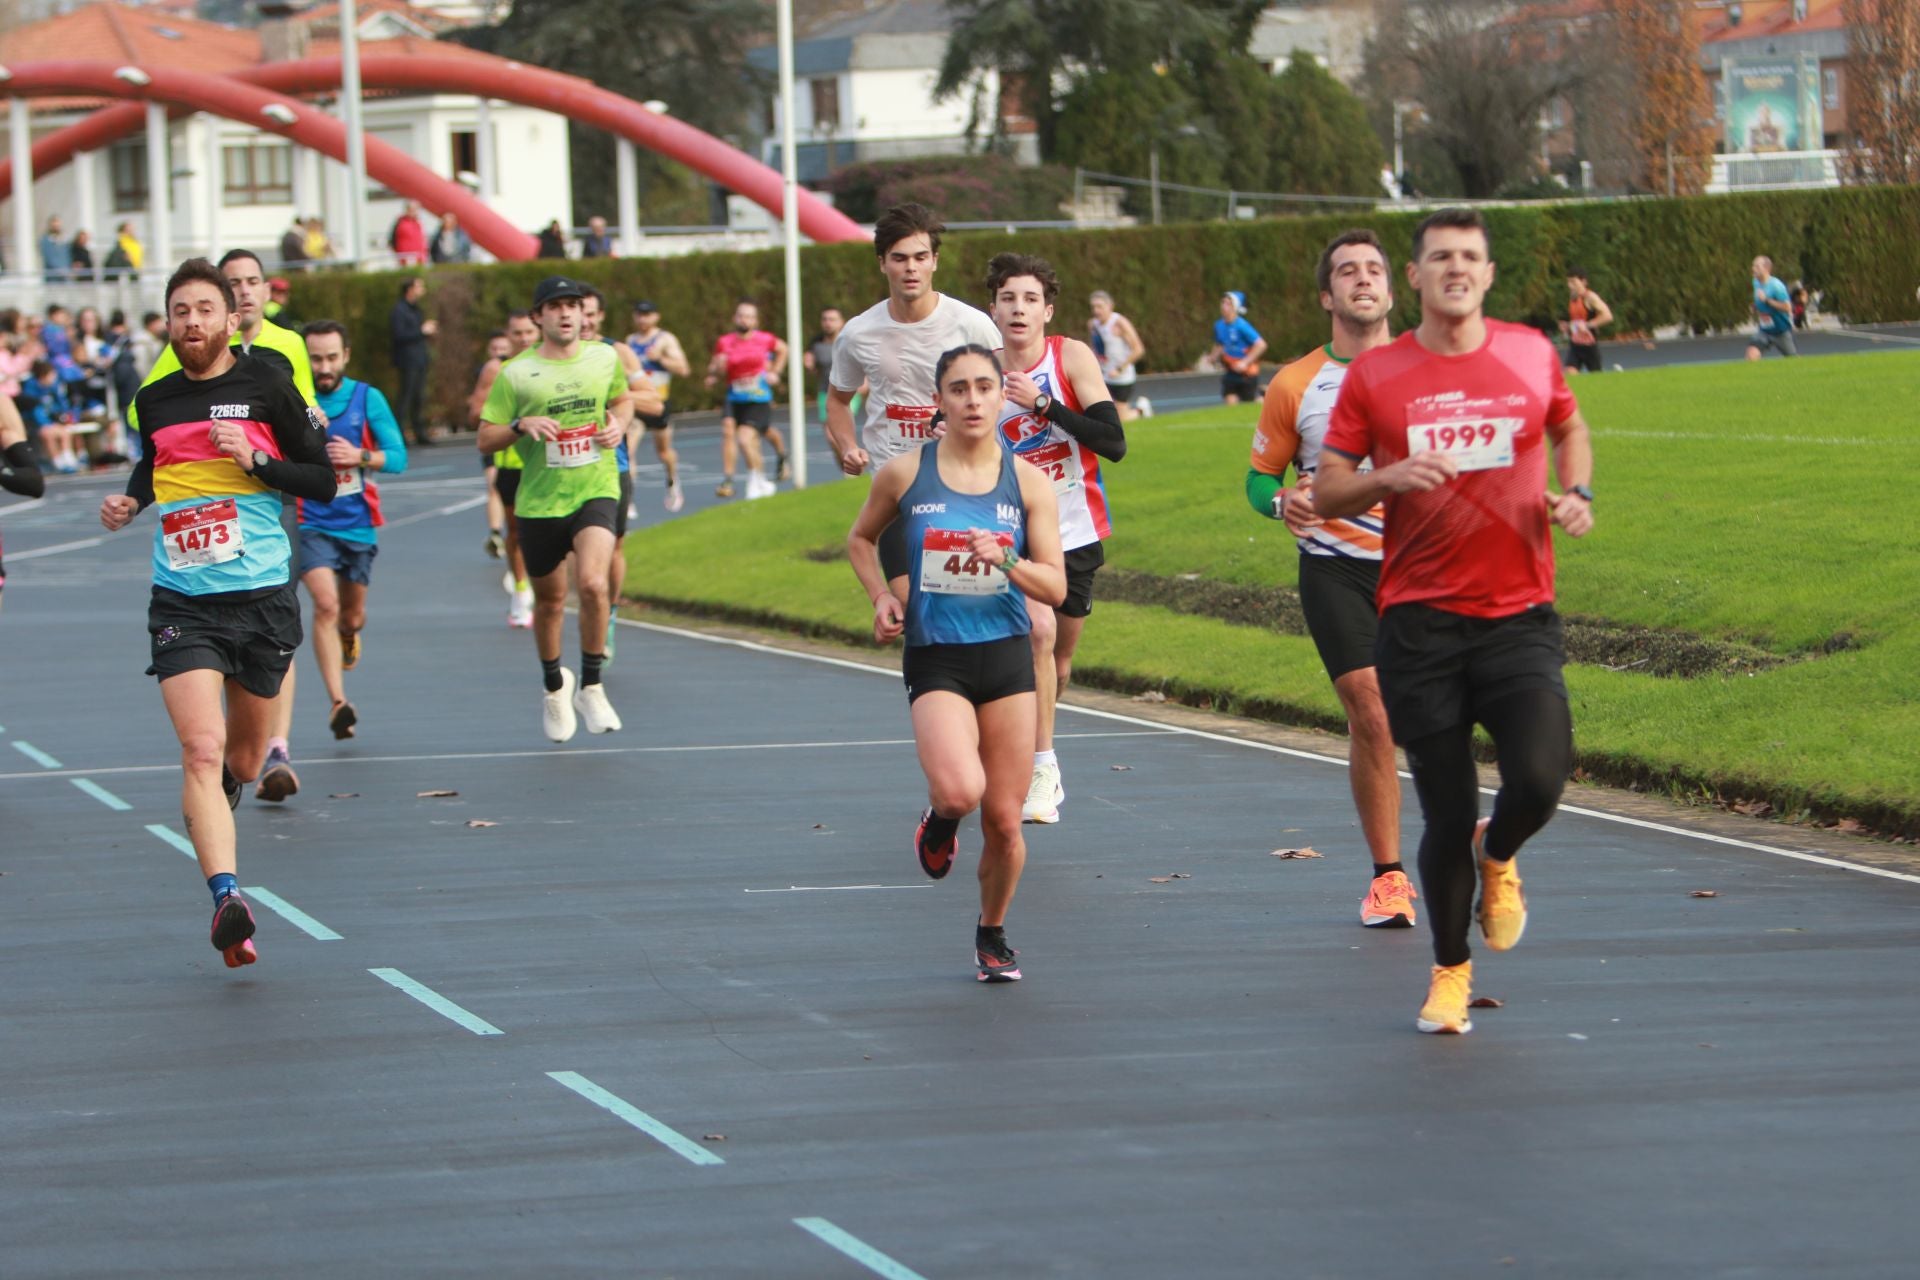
984	533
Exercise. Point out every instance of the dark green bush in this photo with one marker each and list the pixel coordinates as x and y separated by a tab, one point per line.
977	188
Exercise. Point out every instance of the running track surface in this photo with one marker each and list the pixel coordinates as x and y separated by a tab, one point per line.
511	1058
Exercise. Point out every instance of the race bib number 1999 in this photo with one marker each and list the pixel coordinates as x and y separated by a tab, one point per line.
945	567
1474	444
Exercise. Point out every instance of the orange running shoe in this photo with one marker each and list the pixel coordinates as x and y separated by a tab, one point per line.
1389	902
1445	1012
1503	907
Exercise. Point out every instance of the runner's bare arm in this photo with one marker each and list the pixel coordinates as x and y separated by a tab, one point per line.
481	386
1572	465
1598	312
672	357
841	433
881	509
779	365
1131	336
1340	488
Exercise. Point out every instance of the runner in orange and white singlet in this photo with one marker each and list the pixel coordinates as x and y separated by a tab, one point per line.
1059	416
1340	557
892	347
1587	311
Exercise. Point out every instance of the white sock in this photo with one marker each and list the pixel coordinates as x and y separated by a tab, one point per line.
1045	757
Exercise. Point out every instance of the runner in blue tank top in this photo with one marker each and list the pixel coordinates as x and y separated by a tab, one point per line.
983	535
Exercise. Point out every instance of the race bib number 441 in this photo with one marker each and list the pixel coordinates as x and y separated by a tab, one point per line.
574	447
1474	444
202	535
947	566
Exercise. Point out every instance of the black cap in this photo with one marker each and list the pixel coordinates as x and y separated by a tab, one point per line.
644	307
556	287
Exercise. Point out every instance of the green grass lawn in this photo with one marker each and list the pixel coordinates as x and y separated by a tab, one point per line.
1772	504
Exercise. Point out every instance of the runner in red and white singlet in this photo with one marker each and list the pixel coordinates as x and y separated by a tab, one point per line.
1458	418
1060	417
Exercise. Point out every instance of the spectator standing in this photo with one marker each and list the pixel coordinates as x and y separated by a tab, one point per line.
293	248
80	255
56	255
451	243
126	255
553	241
409	330
408	239
317	243
598	243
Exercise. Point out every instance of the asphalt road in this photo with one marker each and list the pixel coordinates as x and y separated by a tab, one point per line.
688	1009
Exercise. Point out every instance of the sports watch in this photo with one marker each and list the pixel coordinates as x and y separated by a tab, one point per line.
1042	403
1584	491
260	459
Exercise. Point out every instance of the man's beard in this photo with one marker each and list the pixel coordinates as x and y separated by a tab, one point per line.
198	357
326	384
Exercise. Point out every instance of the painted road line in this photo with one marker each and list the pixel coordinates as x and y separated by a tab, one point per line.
101	794
1275	749
436	1002
56	549
291	914
835	888
677	1143
857	1249
173	838
36	755
478	500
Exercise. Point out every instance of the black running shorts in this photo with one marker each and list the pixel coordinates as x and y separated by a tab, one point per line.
1337	594
980	673
1082	564
249	641
1584	356
757	414
1243	385
660	421
545	543
1440	670
506	483
626	500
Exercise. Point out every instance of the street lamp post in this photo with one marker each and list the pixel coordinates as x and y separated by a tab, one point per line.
790	220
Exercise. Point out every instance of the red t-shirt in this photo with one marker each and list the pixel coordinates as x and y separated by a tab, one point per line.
1480	544
748	356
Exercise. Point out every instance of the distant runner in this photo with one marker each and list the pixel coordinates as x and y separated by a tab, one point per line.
1587	313
642	398
1117	345
1237	346
522	334
1773	307
664	360
750	361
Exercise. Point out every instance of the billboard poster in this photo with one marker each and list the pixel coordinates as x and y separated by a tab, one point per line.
1772	104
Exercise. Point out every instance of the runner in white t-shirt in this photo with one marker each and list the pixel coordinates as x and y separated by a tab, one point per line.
892	347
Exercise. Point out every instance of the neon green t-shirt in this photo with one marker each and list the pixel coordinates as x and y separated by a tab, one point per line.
272	341
560	476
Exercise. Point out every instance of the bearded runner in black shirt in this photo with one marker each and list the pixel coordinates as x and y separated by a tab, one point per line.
223	437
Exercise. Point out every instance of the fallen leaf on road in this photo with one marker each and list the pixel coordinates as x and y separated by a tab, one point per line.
1151	695
1753	808
1297	853
344	795
1121	768
428	795
1168	879
1485	1002
481	822
713	1137
819	826
1704	893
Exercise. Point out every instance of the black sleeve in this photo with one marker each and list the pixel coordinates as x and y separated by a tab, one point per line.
403	323
20	473
1098	427
140	483
302	469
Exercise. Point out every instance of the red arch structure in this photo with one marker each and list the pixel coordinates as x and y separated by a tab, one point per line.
510	81
259	107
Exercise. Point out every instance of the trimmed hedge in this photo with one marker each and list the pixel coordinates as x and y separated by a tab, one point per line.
1657	262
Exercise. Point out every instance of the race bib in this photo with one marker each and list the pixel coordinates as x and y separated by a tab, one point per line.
910	421
202	535
944	567
744	388
348	482
1474	444
1062	468
574	447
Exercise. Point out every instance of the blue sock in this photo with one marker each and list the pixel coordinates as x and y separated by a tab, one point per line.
223	886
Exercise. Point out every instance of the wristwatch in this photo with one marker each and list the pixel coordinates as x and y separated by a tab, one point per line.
517	428
1042	403
366	458
1583	490
260	459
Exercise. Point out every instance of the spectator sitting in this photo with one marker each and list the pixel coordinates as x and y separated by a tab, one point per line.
553	241
56	255
49	413
80	255
598	244
451	243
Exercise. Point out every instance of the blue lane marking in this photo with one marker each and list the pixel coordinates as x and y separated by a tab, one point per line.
857	1249
436	1002
172	837
101	794
291	914
36	755
665	1136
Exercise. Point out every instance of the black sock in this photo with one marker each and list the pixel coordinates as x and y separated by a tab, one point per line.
590	664
1382	868
551	670
940	830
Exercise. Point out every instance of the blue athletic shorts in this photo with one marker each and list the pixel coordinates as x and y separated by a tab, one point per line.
350	560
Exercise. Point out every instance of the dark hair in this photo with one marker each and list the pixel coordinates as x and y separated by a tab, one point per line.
1005	266
744	301
519	313
497	333
969	349
315	328
830	307
596	295
406	285
904	220
149	318
1458	217
232	255
55	308
1323	274
1578	273
42	368
116	317
199	269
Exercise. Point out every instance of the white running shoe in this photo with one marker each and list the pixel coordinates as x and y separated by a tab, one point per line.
633	513
1044	795
676	499
556	713
591	702
520	612
758	486
1145	406
506	582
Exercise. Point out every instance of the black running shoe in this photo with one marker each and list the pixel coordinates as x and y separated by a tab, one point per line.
231	785
343	719
935	862
998	962
233	931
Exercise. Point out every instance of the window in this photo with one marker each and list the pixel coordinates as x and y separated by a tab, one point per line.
1830	89
465	149
826	104
257	173
128	161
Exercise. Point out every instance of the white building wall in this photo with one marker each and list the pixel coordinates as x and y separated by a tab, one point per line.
899	104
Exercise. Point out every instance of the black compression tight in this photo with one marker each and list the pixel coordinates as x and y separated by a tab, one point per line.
1533	742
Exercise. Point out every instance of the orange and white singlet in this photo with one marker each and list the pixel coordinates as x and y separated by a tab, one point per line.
1293	425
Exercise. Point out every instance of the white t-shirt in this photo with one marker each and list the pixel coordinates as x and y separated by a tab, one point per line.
896	362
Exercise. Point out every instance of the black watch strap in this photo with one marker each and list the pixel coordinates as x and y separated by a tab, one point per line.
1584	491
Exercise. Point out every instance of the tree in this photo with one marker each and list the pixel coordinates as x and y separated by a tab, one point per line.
1668	107
1322	143
1883	88
1110	120
691	54
1034	43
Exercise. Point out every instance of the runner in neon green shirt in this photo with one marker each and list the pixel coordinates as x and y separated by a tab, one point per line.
563	407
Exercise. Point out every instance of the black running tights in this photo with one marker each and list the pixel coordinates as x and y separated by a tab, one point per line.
1533	742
